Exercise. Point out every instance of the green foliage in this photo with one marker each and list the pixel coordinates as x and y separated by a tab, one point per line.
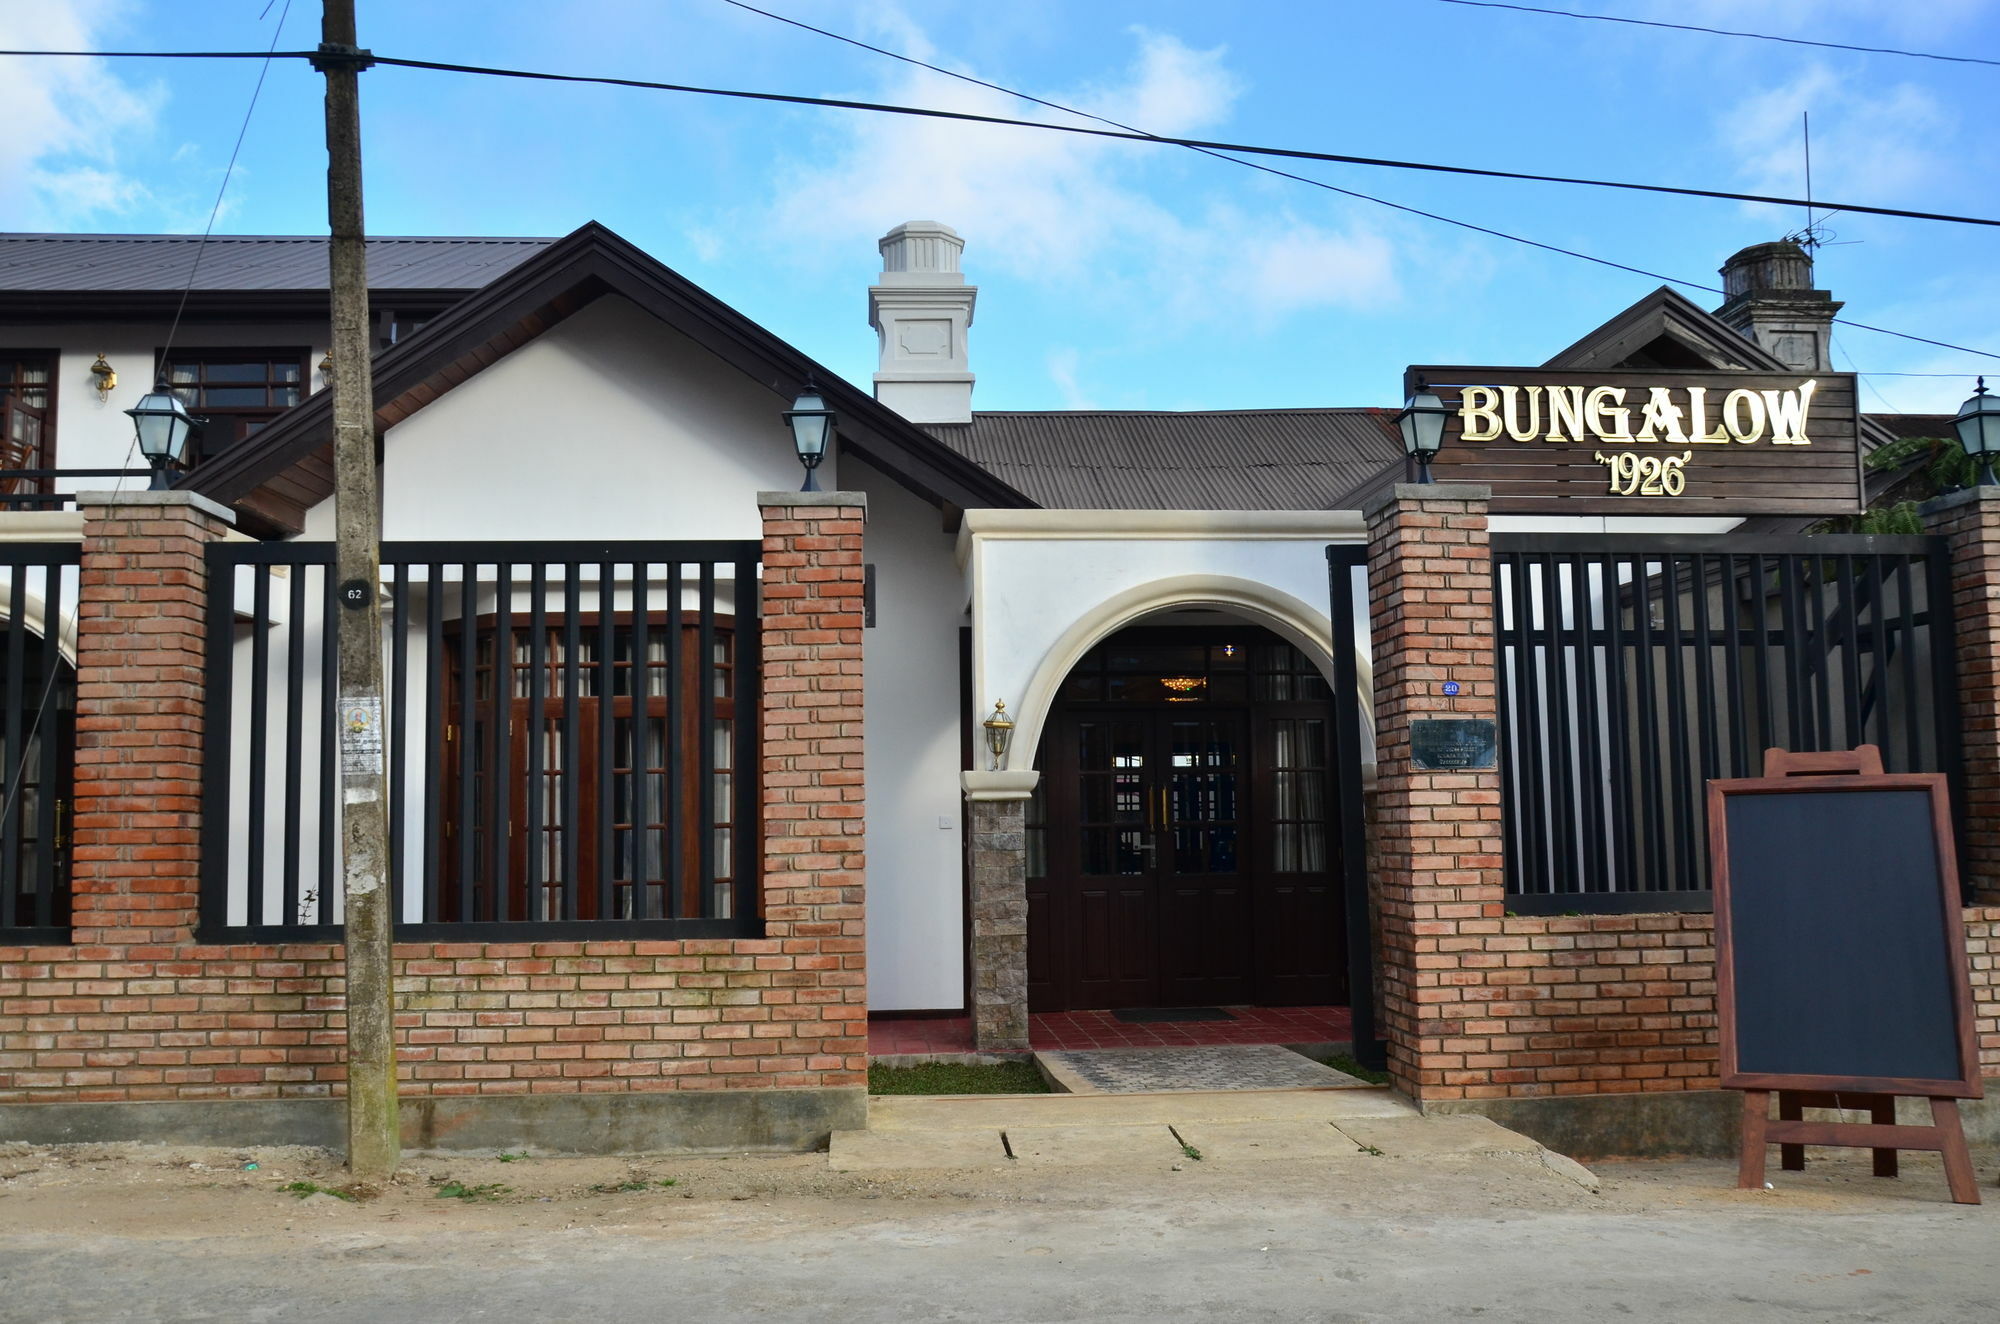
458	1190
302	1189
512	1158
957	1078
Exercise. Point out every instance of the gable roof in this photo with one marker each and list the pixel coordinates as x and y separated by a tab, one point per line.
1242	459
279	472
1666	329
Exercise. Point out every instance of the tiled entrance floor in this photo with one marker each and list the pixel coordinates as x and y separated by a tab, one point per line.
1103	1029
1219	1067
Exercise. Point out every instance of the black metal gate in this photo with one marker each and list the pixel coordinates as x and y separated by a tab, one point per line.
1633	669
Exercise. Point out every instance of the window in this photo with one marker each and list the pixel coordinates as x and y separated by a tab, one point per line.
237	391
27	420
579	851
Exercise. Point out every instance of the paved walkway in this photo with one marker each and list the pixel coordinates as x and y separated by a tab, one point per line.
1223	1067
943	1035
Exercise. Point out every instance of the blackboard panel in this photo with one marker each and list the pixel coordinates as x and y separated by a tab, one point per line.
1839	939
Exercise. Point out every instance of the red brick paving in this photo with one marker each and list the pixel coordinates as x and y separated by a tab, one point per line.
1103	1029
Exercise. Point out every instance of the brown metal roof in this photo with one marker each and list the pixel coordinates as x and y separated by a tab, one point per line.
151	263
1249	459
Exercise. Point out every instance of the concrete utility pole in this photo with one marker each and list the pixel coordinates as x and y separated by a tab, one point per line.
374	1144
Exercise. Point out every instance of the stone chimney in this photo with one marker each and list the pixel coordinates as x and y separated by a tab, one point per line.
1771	301
921	310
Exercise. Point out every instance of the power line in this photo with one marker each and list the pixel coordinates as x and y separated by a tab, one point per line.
1723	32
1316	183
968	117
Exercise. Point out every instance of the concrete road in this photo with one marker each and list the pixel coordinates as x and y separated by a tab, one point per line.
147	1234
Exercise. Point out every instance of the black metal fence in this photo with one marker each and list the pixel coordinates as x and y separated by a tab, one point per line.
1633	669
569	732
35	489
37	739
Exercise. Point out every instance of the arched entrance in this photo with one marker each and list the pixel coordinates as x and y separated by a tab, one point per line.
1180	844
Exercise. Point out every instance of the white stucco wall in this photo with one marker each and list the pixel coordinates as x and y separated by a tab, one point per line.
916	919
1047	584
92	432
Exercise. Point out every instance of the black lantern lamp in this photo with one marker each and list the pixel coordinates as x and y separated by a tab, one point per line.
811	423
1422	425
164	425
1978	424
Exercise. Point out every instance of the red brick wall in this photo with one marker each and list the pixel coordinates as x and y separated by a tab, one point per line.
136	1011
1435	837
1970	523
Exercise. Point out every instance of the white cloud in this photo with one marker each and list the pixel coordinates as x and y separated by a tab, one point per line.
1108	220
1063	363
66	120
1871	143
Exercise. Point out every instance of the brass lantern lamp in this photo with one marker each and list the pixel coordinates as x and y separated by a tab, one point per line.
999	733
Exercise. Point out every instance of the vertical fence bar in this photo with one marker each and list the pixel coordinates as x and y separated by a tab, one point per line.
641	684
1534	824
435	648
1821	654
607	795
55	747
1677	778
295	714
676	805
1623	783
14	767
1913	737
1708	750
1847	612
535	732
572	738
1596	875
500	768
1766	716
1793	653
329	731
260	721
1732	635
1877	704
706	671
399	733
468	683
1564	876
1652	801
1506	644
744	854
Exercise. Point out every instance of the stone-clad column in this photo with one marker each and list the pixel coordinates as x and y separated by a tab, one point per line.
1436	837
141	643
997	805
1969	521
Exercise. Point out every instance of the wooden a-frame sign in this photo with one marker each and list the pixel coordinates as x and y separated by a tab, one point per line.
1840	959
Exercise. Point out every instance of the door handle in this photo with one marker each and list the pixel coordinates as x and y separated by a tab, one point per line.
62	815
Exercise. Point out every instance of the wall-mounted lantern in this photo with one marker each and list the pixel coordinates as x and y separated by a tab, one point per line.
106	375
999	732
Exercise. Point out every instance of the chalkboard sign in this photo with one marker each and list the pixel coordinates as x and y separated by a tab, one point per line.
1840	946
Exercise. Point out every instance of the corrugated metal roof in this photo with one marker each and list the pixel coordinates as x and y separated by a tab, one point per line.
145	263
1251	459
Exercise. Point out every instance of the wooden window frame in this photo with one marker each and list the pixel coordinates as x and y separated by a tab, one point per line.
46	457
697	894
207	444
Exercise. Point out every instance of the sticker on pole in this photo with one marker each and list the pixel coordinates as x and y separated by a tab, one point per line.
361	737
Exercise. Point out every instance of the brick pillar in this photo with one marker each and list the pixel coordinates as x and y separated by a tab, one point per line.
1436	835
814	813
136	855
997	890
1969	521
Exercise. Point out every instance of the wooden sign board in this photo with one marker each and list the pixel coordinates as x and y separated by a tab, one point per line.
1840	956
1553	441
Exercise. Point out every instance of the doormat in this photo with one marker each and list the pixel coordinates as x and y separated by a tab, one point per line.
1144	1015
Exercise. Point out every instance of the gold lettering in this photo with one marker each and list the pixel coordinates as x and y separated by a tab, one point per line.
1595	413
1751	425
1698	417
1565	413
1788	410
1661	412
1484	410
1515	429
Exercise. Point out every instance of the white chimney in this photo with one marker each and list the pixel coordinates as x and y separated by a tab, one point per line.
921	311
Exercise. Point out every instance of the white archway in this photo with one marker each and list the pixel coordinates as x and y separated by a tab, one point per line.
1306	629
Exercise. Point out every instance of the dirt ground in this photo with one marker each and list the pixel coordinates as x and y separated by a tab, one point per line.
147	1232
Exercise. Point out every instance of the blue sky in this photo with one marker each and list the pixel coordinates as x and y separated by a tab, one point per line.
1111	275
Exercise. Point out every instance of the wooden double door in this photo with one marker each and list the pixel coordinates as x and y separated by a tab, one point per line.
1184	859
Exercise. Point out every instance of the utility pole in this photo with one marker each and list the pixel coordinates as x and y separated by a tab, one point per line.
374	1144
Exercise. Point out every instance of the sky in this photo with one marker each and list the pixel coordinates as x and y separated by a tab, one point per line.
1111	275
